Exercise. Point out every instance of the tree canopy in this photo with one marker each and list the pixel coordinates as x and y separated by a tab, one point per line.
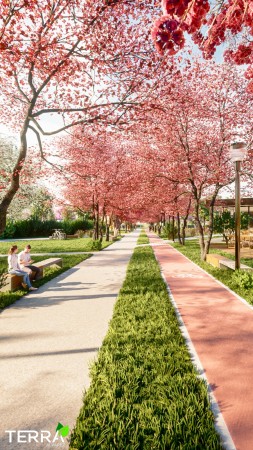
142	133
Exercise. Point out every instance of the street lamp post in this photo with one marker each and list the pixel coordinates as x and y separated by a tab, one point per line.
237	153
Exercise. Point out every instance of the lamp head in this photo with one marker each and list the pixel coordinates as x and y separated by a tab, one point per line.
238	151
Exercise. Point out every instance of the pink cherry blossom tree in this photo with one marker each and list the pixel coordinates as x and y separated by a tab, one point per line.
81	61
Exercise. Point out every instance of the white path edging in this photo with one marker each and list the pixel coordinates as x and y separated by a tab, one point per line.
220	424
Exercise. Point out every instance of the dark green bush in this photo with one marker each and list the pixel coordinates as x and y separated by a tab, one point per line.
39	228
167	231
243	279
9	231
71	226
34	228
96	245
2	276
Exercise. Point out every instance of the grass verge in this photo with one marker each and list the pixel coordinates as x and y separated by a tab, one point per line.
53	245
144	392
142	239
68	261
231	279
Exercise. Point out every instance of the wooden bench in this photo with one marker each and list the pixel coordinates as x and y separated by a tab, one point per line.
229	264
13	282
214	259
71	236
222	262
47	263
113	238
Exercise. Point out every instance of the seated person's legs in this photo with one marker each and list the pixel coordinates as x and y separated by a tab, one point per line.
26	279
25	275
36	270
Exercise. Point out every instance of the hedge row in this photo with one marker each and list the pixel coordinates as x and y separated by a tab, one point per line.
38	228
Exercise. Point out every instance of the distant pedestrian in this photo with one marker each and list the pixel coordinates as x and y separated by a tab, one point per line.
15	269
25	262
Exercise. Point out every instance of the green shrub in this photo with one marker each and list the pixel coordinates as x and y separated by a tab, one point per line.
71	226
38	228
167	231
96	245
243	279
3	275
34	228
9	231
80	233
190	232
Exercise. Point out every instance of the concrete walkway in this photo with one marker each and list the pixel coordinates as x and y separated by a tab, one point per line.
48	340
220	326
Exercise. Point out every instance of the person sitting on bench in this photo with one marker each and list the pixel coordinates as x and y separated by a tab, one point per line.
15	269
25	262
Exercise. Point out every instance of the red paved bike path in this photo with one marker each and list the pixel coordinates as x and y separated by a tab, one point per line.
220	326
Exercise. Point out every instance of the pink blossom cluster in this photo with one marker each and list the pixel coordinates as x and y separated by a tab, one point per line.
230	17
167	35
179	16
243	54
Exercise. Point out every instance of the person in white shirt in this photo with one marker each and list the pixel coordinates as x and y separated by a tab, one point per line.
25	262
14	268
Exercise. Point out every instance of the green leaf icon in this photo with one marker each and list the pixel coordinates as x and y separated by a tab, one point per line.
59	426
64	431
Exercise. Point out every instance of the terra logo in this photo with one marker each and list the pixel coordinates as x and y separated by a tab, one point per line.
43	436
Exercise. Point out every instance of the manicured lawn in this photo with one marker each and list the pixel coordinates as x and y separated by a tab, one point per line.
144	393
68	261
53	245
237	282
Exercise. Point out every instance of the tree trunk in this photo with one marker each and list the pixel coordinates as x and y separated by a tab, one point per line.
211	219
101	227
205	244
15	177
107	229
96	222
173	228
185	221
117	224
200	231
101	233
178	229
107	232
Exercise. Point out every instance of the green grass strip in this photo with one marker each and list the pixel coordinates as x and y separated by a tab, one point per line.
53	245
144	393
142	239
68	261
